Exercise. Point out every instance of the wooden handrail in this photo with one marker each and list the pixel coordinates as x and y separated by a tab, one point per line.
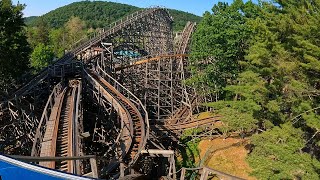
52	158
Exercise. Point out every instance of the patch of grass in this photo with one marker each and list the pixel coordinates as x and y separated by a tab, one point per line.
227	155
203	115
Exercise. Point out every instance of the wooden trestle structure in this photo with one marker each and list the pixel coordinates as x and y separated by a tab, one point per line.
101	98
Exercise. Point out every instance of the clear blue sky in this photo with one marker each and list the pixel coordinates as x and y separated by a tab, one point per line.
198	7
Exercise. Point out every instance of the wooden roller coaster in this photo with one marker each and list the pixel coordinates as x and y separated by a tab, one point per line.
93	70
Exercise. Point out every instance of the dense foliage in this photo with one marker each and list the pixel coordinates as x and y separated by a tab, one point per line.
54	42
261	63
41	57
277	155
98	14
189	152
14	48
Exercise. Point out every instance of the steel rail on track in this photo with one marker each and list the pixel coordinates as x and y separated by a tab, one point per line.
56	134
65	139
126	122
128	94
133	113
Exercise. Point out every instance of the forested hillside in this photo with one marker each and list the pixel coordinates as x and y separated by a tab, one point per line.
30	19
98	14
260	62
52	34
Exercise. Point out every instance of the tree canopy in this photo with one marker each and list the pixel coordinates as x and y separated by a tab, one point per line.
261	62
41	57
277	155
14	48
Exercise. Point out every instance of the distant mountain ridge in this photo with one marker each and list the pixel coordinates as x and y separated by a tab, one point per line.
98	14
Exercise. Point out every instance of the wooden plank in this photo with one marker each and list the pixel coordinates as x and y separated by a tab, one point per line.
204	174
94	169
174	167
50	158
183	173
121	170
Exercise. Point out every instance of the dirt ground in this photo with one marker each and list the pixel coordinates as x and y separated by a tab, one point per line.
226	155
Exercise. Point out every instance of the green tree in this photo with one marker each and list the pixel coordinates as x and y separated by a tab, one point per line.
217	65
41	57
31	31
14	48
277	154
58	40
283	50
219	43
275	88
242	103
39	33
42	32
75	28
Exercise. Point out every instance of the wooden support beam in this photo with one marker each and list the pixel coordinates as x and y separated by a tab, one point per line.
204	174
158	153
121	170
183	173
173	163
94	169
